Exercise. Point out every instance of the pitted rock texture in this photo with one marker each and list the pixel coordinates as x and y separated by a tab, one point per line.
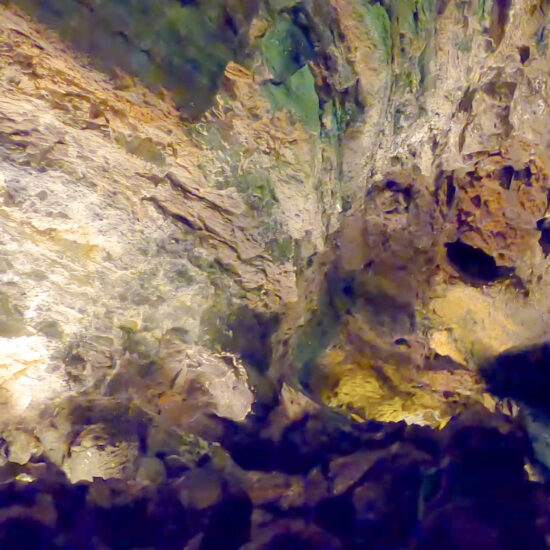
439	262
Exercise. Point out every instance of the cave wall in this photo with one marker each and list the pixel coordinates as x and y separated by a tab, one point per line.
366	182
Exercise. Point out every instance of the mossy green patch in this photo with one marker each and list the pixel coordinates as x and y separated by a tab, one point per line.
404	14
257	191
282	250
298	95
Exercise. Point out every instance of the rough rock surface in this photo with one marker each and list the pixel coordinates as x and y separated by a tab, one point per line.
217	218
406	250
332	483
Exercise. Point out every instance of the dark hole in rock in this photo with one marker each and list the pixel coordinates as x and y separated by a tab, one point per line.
543	225
476	201
348	289
524	53
251	453
475	265
402	342
12	495
159	524
69	504
404	190
125	527
525	176
450	191
506	177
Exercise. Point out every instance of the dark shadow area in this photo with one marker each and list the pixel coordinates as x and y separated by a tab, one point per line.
369	485
523	375
506	176
543	225
182	46
229	525
250	335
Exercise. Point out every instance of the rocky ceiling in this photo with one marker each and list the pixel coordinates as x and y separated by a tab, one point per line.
256	256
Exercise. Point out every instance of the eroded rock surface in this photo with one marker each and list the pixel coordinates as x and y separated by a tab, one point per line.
248	212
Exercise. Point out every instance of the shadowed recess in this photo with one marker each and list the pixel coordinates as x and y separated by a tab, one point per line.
475	264
182	46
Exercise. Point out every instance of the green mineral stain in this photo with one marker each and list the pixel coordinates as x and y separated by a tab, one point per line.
404	13
285	48
377	23
298	95
282	250
279	5
480	9
336	116
257	191
464	44
425	10
414	18
144	148
143	347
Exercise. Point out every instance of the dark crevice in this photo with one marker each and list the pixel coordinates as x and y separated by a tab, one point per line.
475	265
450	191
506	176
441	6
524	54
465	104
543	225
525	175
501	10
